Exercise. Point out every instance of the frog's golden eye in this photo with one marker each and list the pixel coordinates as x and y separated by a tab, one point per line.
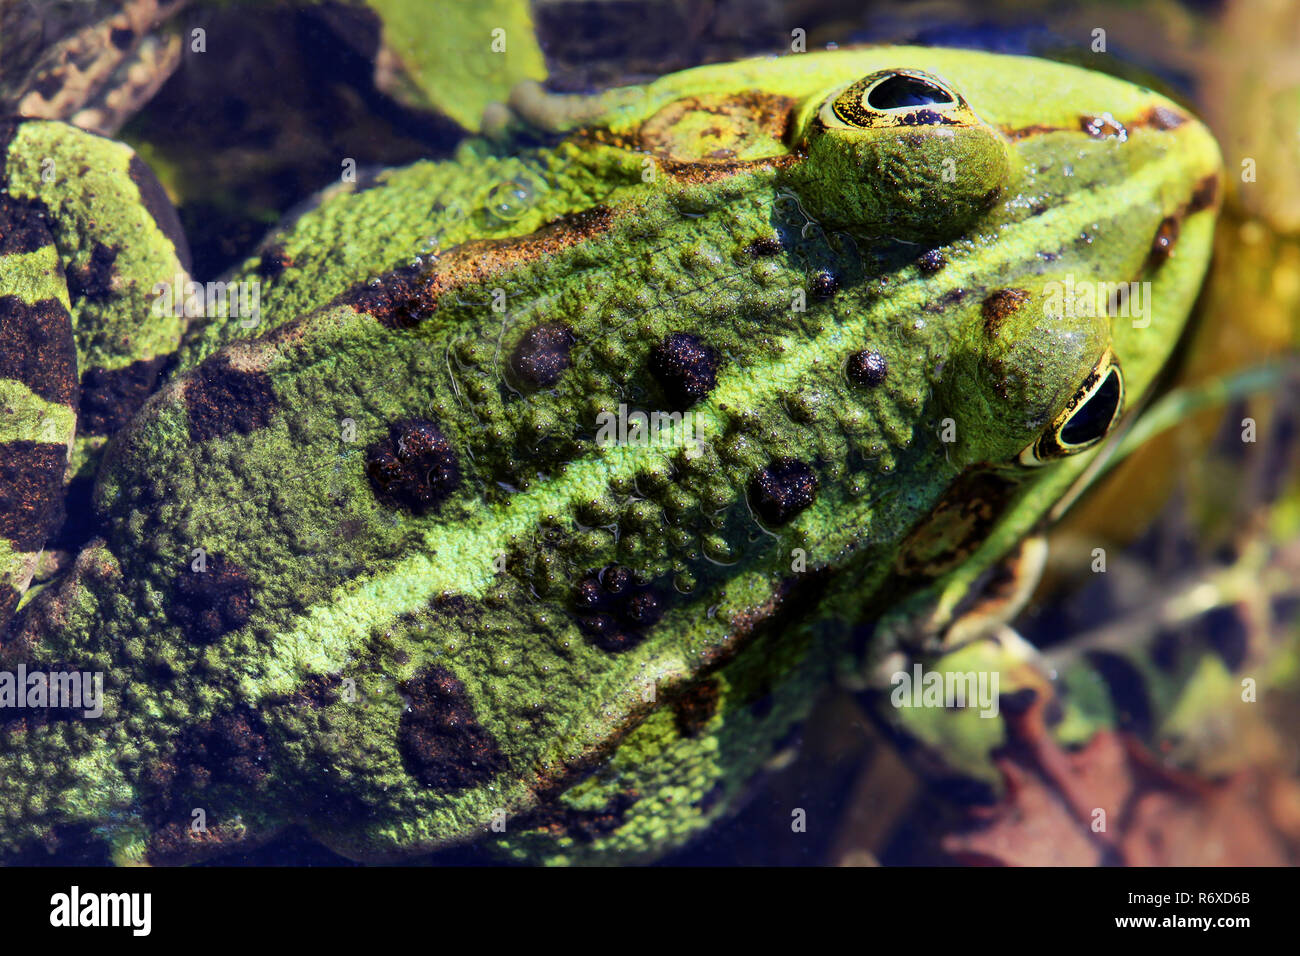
895	98
1087	417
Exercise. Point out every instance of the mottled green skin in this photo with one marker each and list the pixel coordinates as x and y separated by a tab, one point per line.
594	754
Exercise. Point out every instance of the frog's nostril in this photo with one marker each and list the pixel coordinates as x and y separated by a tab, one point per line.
1162	246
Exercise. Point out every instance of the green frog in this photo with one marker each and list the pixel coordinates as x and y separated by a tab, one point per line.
530	496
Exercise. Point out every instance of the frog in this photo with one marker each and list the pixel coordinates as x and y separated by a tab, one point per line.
527	499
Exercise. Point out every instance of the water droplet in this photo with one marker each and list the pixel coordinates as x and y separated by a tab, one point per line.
510	200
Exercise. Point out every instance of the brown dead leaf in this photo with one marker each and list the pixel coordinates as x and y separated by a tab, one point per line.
1115	803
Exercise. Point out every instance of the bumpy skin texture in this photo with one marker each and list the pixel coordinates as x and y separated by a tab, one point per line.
365	567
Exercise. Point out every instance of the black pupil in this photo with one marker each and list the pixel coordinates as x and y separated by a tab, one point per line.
1091	421
901	91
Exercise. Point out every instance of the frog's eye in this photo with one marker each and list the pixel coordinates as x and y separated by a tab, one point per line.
894	98
1087	417
898	154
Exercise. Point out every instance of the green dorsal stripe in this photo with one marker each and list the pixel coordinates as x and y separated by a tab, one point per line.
17	270
25	416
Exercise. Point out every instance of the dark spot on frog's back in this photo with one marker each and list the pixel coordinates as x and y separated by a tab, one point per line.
764	246
229	748
23	225
824	284
154	199
414	467
400	299
37	348
441	742
685	368
867	369
109	397
782	490
542	355
931	262
93	282
211	602
614	611
220	399
31	492
998	306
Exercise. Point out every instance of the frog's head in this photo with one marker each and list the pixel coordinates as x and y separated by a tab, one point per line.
1060	221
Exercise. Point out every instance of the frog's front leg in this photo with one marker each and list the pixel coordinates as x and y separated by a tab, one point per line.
959	695
88	240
